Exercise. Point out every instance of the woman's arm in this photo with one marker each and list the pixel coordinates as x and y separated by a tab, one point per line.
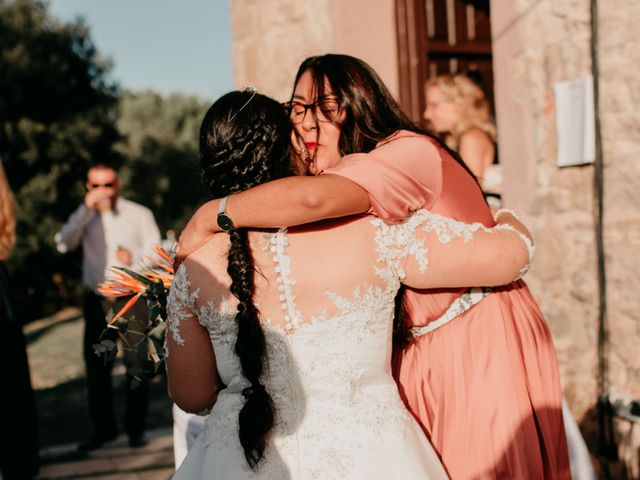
191	369
475	149
392	181
192	375
281	203
448	254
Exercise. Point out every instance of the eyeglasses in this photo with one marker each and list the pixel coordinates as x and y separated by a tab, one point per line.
327	110
96	185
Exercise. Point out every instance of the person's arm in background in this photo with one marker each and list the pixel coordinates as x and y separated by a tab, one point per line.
391	181
70	236
475	149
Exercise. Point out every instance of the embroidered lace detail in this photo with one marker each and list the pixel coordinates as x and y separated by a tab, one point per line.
372	298
505	210
331	399
180	303
464	302
448	228
216	321
394	243
332	361
531	249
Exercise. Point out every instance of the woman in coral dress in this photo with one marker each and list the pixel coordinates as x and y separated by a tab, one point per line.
484	384
302	389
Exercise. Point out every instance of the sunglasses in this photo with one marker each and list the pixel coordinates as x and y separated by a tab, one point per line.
96	185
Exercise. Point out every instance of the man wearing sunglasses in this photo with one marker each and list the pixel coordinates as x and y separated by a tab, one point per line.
113	231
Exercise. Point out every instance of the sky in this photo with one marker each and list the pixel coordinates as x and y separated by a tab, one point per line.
165	45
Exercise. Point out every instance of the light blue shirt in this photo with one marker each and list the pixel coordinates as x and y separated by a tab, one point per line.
129	226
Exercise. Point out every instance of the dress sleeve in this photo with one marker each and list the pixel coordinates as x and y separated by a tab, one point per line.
401	176
192	375
443	253
180	305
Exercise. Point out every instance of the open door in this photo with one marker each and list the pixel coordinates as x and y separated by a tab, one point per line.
441	36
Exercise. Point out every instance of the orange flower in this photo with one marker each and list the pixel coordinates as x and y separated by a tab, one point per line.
165	262
166	279
122	285
124	282
126	308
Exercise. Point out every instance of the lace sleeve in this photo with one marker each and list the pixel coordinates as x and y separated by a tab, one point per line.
395	243
527	241
445	253
180	303
531	249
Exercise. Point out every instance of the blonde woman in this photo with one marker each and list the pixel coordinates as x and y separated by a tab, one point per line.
458	109
19	440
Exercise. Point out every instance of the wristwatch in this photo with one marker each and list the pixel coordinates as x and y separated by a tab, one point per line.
224	220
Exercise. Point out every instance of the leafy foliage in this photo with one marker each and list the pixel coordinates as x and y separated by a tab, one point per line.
148	344
60	112
57	116
148	341
160	145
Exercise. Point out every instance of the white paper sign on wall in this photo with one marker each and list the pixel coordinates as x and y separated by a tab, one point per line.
575	122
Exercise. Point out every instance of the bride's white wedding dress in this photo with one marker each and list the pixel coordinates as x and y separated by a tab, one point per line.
326	298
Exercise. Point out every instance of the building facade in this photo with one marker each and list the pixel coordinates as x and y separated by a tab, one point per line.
534	44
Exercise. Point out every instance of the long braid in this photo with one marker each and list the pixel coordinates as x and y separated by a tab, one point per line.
244	141
257	414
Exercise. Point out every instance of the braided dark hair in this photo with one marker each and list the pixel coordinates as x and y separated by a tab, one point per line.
244	142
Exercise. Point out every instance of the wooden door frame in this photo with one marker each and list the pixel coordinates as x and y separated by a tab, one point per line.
412	56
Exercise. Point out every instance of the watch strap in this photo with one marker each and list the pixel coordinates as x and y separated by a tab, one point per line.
222	206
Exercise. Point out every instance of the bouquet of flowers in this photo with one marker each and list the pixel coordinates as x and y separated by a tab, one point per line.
153	284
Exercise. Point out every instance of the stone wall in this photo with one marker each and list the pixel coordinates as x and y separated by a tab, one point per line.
620	97
271	38
537	43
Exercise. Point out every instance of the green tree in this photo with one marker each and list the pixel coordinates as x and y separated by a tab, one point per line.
58	110
160	148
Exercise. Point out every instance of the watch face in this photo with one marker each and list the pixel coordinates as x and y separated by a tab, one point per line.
224	222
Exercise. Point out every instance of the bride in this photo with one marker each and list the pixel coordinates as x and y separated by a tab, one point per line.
285	336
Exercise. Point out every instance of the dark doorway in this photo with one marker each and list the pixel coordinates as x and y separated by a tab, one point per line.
442	36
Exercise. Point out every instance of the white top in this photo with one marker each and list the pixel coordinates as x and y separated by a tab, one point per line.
129	225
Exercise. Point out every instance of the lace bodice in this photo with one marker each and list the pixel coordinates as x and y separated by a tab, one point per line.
326	300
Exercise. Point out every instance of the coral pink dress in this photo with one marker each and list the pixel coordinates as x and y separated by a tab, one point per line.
485	386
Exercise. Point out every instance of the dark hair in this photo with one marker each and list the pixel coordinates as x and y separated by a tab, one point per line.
402	336
244	142
372	115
